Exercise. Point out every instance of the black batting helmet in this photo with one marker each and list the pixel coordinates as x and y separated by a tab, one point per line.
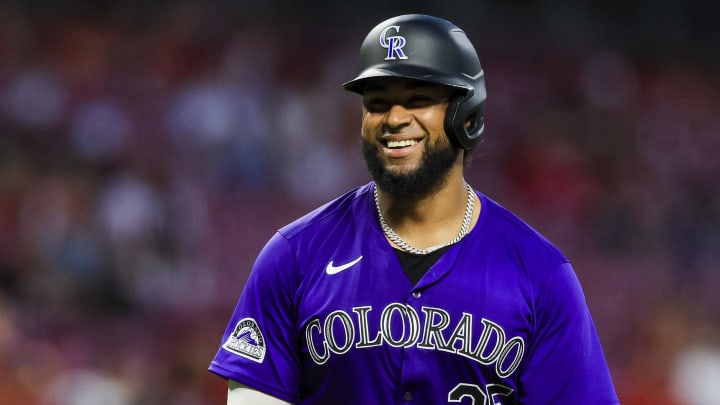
430	49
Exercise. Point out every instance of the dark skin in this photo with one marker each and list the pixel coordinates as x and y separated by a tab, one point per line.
404	120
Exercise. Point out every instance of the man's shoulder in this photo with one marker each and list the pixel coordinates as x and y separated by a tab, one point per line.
506	224
349	206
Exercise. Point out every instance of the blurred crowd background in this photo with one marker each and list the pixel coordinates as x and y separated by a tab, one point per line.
148	151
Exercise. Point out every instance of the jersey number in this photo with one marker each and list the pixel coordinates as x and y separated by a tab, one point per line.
477	395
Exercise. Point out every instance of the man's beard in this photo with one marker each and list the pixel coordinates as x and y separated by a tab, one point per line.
430	176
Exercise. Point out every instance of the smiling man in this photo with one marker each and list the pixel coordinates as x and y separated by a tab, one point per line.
414	288
404	141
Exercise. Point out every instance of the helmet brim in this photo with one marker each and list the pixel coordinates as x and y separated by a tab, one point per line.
357	85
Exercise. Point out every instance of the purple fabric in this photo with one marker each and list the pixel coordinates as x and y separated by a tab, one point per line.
499	319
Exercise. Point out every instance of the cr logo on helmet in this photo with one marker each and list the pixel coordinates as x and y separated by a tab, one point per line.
393	44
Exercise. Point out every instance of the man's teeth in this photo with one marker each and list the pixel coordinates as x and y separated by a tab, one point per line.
402	144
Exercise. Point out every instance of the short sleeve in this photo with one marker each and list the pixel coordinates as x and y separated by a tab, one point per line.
565	363
259	346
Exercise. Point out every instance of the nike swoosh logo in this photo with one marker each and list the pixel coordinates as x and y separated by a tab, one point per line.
332	269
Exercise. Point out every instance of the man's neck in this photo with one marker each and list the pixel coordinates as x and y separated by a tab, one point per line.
432	220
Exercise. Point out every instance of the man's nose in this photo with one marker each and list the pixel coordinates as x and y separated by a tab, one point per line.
397	116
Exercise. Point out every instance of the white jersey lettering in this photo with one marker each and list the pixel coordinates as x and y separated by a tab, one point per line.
400	325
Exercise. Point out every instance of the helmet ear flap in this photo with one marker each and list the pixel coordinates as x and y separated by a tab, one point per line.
464	121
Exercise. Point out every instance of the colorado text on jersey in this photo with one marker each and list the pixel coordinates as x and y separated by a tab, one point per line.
337	334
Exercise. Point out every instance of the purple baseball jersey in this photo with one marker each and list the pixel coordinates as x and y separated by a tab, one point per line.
328	316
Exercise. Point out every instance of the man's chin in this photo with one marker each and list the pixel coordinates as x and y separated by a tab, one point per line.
410	178
401	170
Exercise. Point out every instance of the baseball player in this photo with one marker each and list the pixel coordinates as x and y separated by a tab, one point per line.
414	288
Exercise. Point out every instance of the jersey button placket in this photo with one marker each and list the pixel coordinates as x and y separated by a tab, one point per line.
408	395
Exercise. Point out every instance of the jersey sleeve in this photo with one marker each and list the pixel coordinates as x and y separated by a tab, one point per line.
259	344
565	364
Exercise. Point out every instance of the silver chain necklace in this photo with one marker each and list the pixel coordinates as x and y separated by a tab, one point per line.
406	247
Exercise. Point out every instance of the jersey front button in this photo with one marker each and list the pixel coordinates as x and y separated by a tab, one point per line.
408	396
416	294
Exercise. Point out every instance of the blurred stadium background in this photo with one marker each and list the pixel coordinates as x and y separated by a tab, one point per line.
147	152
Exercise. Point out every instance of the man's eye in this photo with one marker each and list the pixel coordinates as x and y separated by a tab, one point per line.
420	101
377	105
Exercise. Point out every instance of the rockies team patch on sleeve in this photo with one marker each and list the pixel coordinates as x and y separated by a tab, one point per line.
246	340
